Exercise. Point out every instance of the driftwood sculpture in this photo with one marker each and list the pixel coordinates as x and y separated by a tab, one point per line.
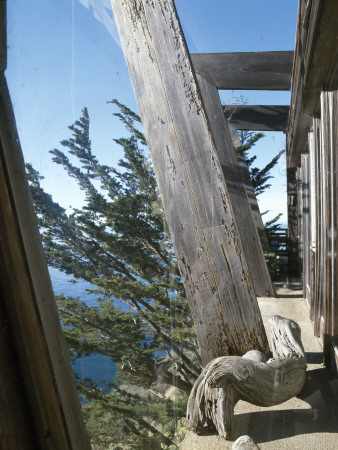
228	379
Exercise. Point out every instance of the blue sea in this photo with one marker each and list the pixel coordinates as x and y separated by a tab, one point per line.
97	367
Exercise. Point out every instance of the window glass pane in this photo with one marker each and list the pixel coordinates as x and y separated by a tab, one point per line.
121	299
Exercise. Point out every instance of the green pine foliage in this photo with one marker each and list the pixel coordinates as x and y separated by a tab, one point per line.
119	243
259	177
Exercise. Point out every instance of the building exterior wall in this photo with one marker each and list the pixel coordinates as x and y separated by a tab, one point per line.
312	155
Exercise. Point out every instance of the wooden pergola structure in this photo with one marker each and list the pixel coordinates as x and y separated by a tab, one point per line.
210	207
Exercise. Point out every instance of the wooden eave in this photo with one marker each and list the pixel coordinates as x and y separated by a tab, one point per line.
314	69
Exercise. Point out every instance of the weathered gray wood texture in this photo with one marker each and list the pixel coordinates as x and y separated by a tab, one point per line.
315	64
247	70
226	380
310	289
257	117
250	191
333	102
328	229
316	295
43	375
238	196
190	179
305	223
256	214
234	135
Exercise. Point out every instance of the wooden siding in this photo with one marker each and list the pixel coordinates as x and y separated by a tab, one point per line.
315	59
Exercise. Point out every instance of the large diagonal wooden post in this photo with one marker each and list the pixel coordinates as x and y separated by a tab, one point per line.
250	191
238	195
190	179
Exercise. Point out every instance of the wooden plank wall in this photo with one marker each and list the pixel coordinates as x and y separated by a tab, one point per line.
319	223
310	290
305	231
318	176
299	220
333	108
315	56
190	178
325	203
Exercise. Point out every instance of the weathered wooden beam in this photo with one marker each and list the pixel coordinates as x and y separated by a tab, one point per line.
257	117
256	214
45	379
247	70
250	191
190	179
226	380
238	196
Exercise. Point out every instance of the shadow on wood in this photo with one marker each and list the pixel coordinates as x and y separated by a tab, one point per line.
228	379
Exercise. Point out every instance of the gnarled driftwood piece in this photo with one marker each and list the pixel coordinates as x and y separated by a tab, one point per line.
228	379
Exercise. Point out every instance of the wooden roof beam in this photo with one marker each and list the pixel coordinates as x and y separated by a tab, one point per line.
257	117
246	70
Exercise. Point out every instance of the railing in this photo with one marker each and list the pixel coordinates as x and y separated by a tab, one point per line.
278	259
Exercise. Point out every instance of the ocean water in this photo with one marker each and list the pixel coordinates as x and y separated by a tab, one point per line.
99	368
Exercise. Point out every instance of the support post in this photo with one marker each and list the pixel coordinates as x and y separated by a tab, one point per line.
190	179
238	195
250	191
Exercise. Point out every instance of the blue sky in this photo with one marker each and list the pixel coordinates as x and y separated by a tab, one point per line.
65	54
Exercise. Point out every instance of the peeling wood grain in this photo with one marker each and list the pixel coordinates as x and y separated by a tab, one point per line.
238	195
190	179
